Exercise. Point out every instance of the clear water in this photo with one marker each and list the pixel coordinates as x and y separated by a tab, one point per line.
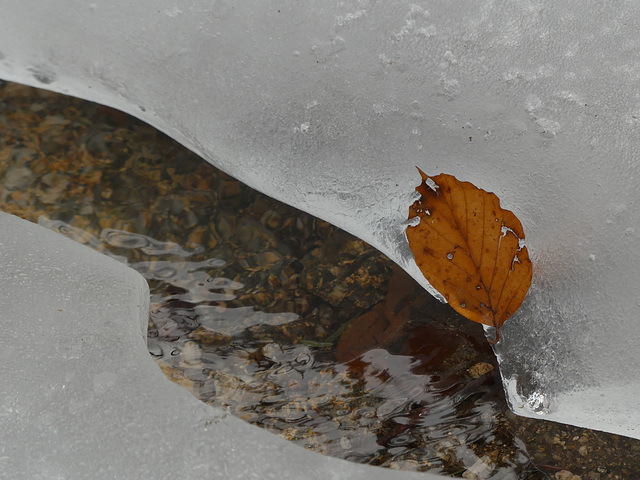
408	400
267	312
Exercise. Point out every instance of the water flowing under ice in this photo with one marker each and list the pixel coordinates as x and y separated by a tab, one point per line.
328	106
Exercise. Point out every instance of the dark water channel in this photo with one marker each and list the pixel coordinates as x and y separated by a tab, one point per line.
276	316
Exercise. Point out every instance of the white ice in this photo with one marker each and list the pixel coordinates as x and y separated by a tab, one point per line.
81	398
329	105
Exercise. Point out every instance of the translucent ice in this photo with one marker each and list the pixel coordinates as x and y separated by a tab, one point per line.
329	105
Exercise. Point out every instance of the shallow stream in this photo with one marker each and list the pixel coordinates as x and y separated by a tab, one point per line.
276	316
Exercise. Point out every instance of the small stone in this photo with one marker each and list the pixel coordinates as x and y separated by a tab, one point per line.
404	465
566	475
270	257
191	355
345	443
480	470
271	219
197	234
480	369
230	188
209	337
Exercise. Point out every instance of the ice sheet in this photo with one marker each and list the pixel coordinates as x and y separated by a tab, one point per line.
329	105
80	396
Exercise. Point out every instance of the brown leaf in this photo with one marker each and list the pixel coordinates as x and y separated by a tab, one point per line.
469	249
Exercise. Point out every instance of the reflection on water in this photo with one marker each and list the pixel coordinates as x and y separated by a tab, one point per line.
404	400
277	317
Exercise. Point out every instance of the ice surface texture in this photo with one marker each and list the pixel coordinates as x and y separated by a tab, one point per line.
82	398
329	105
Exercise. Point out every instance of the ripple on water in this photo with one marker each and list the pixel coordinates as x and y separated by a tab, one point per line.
382	406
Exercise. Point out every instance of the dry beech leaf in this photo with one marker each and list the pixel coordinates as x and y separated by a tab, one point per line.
469	249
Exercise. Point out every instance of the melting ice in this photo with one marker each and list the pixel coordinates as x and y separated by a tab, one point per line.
329	107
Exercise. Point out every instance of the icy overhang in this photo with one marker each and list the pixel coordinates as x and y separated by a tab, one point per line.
328	106
82	397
